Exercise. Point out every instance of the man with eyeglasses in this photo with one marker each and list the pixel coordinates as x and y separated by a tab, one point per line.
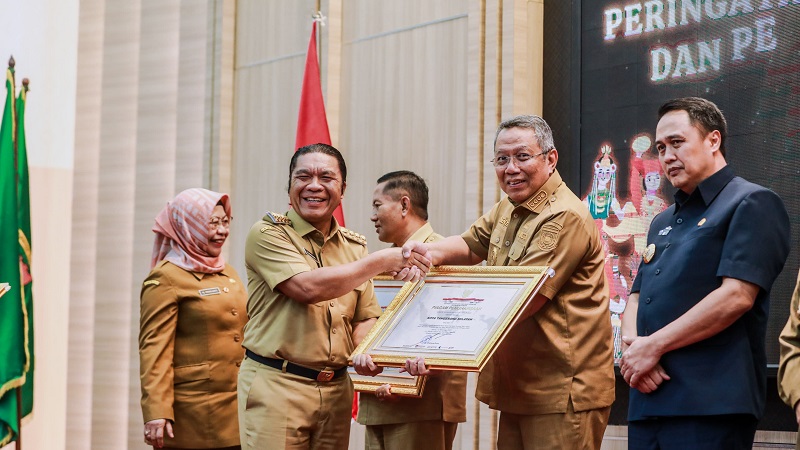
552	378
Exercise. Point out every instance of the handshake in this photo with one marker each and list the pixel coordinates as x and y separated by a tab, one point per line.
416	261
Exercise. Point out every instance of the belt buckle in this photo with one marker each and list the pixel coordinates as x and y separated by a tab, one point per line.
325	376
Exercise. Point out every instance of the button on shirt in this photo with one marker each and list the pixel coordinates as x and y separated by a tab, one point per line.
717	231
318	336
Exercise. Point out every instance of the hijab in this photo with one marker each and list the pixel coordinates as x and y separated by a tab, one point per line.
181	230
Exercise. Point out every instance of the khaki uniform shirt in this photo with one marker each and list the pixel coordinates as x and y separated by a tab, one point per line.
190	349
444	397
317	336
789	369
565	349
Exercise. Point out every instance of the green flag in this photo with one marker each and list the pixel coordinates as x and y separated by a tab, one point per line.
24	223
12	306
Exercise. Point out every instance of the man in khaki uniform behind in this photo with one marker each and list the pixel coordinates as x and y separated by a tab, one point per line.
552	377
310	303
789	369
400	214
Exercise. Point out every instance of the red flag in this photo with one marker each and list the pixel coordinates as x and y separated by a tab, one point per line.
312	124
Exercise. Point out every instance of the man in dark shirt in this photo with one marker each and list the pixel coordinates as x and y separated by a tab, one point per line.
695	323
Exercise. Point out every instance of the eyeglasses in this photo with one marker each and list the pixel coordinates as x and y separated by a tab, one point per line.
520	158
216	222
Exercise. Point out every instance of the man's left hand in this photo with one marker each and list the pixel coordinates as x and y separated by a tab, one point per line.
417	367
384	393
797	412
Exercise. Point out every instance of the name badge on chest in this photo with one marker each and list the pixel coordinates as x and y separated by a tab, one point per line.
209	291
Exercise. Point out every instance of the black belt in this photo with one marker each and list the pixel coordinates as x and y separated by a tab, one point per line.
325	375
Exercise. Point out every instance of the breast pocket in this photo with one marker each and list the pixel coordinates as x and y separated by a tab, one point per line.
701	233
702	247
495	245
348	303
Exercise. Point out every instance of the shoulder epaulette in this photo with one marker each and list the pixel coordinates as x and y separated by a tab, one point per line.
278	219
353	236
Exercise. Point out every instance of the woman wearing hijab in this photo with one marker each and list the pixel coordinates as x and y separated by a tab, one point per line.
193	311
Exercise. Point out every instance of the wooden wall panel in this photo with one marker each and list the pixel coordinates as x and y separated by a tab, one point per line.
404	107
266	114
271	43
223	43
155	165
115	219
83	229
193	58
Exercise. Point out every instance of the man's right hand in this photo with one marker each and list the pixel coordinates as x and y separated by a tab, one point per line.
155	430
651	380
417	262
365	366
419	248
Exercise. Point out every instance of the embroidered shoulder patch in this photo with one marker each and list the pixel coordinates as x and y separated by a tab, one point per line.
547	238
353	236
538	198
278	219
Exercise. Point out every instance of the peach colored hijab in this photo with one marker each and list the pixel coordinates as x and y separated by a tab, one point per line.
181	230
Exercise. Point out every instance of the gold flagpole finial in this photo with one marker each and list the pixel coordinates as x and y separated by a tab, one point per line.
11	62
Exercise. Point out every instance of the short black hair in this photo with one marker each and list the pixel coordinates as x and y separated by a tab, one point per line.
318	148
703	114
405	182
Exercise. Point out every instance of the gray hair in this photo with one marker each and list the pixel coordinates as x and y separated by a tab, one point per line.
544	135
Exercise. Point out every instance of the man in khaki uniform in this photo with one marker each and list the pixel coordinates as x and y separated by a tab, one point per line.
789	369
400	213
552	377
310	303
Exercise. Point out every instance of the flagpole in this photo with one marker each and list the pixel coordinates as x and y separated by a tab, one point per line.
19	416
18	390
318	17
11	64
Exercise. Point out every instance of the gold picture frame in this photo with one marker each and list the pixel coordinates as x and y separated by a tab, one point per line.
386	289
455	317
402	383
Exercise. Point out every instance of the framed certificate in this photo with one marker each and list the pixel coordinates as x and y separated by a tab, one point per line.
386	289
455	317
